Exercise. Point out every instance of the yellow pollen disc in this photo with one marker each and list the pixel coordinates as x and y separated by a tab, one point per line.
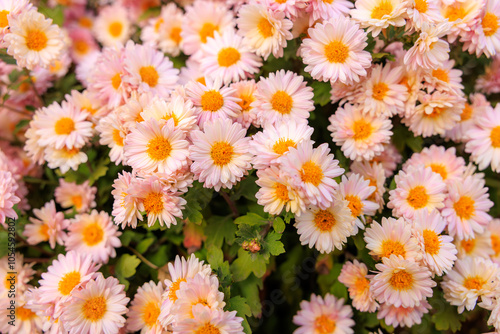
173	117
81	47
36	40
324	220
440	169
228	56
172	291
24	313
70	153
24	87
390	247
116	81
85	22
464	207
495	244
64	126
208	328
282	102
421	6
336	52
362	129
4	22
281	192
159	148
361	285
149	75
117	138
282	145
175	34
468	245
311	173
431	242
455	12
490	24
158	24
150	313
153	203
202	81
417	197
474	282
68	282
92	234
207	30
466	113
115	29
328	1
436	112
441	74
324	325
380	90
221	153
265	27
495	137
245	102
212	101
44	231
7	283
95	308
355	205
384	8
77	201
401	280
280	1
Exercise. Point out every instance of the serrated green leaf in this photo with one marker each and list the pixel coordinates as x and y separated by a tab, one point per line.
244	265
279	225
239	304
251	219
220	229
447	317
7	59
250	290
321	93
143	246
273	244
215	256
54	13
126	267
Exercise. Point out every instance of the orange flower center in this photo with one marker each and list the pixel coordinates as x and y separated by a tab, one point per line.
380	90
85	22
361	285
208	328
77	201
495	137
159	148
36	40
362	129
153	203
440	169
390	247
490	24
245	102
464	207
24	313
95	308
81	47
4	22
116	81
455	12
172	291
324	220
401	280
435	112
221	153
282	102
207	30
495	244
324	325
44	231
468	245
312	173
417	197
421	6
265	27
282	145
466	113
64	126
431	242
7	283
336	52
117	138
115	29
68	282
228	56
441	75
175	35
384	8
355	205
474	282
158	24
212	100
92	234
149	75
150	313
281	192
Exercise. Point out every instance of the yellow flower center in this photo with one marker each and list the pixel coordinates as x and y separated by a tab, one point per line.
202	81
490	24
175	35
421	6
436	112
153	203
92	234
150	313
4	22
468	245
172	291
312	173
115	29
64	126
282	102
212	101
390	247
362	129
495	137
431	242
116	81
207	30
417	197
36	40
173	117
158	24
355	205
69	153
495	244
324	325
68	282
455	12
245	102
336	52
384	8
464	207
228	56
281	192
440	169
221	153
380	90
401	280
159	148
324	220
149	75
85	22
441	75
24	313
466	113
361	285
95	308
81	47
265	27
282	145
473	282
117	138
8	282
77	201
44	231
208	328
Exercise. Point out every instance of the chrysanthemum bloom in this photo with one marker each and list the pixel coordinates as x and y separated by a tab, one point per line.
178	181
206	320
438	250
470	279
444	78
335	51
321	10
489	82
82	44
379	14
374	172
390	158
466	207
10	9
8	199
477	106
64	159
494	319
130	112
245	91
49	226
276	192
429	51
420	11
417	188
97	308
33	40
494	229
265	31
393	237
462	15
145	309
403	316
169	27
282	97
153	30
112	26
354	277
26	321
79	196
401	282
326	229
23	274
125	210
275	141
201	20
479	246
220	154
112	133
361	136
484	140
324	315
178	109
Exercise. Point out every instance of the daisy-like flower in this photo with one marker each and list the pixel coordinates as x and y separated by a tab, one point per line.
145	309
245	91
470	279
477	106
265	31
64	159
494	319
321	10
420	11
125	210
112	26
354	276
375	173
112	133
466	207
401	282
444	78
9	9
33	40
361	136
206	320
79	196
484	140
393	237
26	321
417	188
312	171
429	51
282	97
335	51
438	251
18	281
479	246
8	199
484	36
49	226
379	14
220	154
325	229
403	316
170	28
494	229
97	308
324	315
82	44
275	140
390	158
228	58
462	15
130	112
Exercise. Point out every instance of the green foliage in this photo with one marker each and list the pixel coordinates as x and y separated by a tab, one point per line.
126	268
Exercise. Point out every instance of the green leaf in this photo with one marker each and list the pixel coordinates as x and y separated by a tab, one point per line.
447	317
4	242
250	290
279	225
273	244
244	265
7	59
100	170
215	256
219	229
55	13
246	188
126	267
251	219
321	93
143	246
239	304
